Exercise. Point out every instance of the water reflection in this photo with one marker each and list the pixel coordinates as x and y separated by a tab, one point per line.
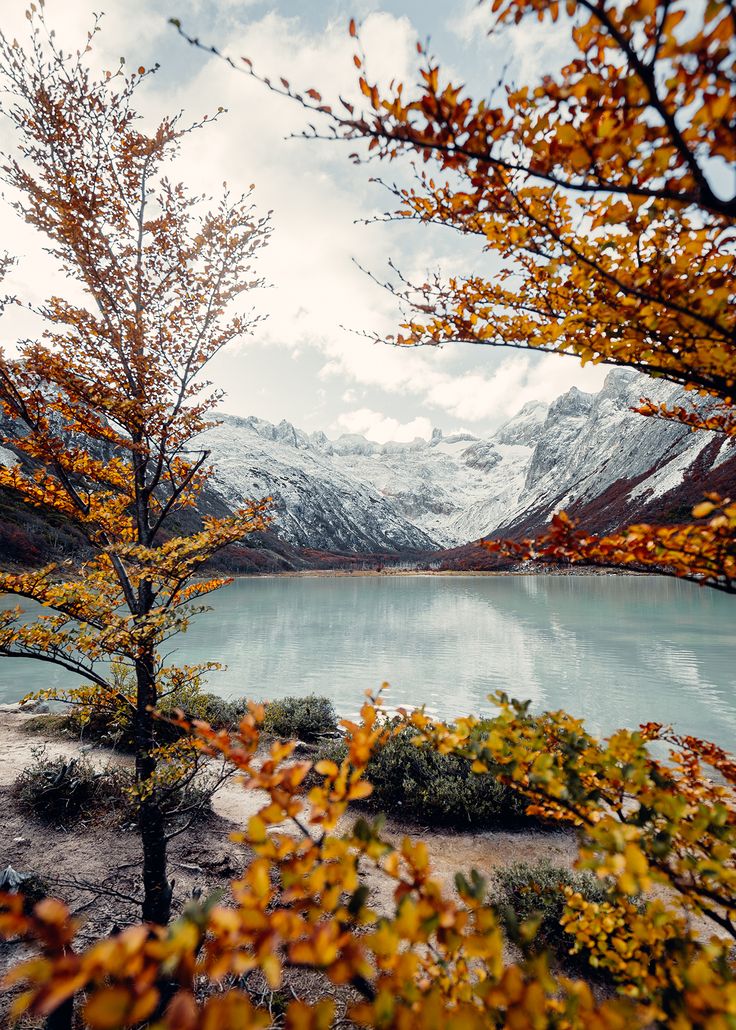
616	650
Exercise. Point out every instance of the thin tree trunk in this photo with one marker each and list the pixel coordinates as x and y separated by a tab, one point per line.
61	1018
156	889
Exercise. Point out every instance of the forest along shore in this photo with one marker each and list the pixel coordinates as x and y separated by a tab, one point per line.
100	851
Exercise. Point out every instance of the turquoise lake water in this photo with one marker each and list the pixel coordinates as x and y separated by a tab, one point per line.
617	650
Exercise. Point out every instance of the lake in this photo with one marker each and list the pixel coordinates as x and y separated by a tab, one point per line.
617	650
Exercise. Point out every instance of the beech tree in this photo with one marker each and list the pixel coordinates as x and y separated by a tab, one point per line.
436	957
106	408
605	194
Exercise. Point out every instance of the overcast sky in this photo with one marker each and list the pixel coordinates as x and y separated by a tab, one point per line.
307	362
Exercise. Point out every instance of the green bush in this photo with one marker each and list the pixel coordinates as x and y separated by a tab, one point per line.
301	718
219	712
420	785
530	891
61	790
48	724
113	726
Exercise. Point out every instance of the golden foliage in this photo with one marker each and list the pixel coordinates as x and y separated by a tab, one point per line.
598	194
703	551
106	410
303	902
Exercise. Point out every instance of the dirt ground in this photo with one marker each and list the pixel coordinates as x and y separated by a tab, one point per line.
102	853
204	856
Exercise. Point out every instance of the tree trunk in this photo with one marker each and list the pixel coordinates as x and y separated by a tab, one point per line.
156	889
62	1018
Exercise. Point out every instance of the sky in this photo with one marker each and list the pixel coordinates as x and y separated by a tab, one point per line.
307	362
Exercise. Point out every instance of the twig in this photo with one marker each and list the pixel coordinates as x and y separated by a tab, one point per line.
84	885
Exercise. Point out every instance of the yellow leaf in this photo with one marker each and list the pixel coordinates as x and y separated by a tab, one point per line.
566	134
256	830
107	1008
700	511
360	790
579	159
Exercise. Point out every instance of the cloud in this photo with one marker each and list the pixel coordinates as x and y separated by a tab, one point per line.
469	394
317	196
472	23
378	427
126	27
529	50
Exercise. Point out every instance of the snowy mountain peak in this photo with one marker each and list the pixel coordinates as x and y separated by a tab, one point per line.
354	443
574	403
526	425
352	494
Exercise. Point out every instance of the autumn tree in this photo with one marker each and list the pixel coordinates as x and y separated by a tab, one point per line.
105	409
604	197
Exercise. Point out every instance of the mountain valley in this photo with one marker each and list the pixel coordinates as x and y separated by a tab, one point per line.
583	452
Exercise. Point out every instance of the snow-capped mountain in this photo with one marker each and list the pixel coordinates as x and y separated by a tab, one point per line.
316	502
583	450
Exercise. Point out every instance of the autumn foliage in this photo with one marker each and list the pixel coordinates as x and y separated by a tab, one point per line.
662	834
596	194
105	409
601	196
703	551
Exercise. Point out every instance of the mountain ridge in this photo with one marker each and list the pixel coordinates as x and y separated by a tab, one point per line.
350	500
352	493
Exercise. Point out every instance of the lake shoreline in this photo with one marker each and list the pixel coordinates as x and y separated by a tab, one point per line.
552	571
450	640
396	572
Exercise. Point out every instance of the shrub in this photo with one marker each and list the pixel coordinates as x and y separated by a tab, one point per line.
60	790
529	891
111	727
111	723
423	786
305	718
219	712
50	724
107	719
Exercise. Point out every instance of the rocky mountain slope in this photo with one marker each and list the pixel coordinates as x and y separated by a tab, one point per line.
338	500
584	451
